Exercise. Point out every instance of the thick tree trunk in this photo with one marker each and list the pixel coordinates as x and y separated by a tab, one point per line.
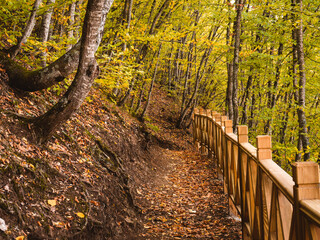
14	50
54	73
46	124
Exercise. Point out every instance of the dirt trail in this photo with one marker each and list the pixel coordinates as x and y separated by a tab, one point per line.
187	202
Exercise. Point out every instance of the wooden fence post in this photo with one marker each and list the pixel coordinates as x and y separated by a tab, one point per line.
203	114
264	147
194	126
227	129
264	152
217	118
306	178
228	126
243	134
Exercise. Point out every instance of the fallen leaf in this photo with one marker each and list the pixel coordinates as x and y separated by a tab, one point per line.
58	224
52	202
80	214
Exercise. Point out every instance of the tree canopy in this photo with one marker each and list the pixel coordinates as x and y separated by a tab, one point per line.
255	60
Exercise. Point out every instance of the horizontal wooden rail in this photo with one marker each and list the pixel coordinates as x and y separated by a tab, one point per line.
271	203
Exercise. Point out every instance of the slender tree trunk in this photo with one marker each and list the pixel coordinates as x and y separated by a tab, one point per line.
46	124
284	126
127	93
229	104
272	95
235	70
252	107
77	31
246	98
151	85
157	16
189	64
126	15
140	97
132	103
46	20
72	11
199	76
27	31
169	66
303	132
152	10
144	50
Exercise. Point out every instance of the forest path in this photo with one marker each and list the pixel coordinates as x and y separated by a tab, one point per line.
187	202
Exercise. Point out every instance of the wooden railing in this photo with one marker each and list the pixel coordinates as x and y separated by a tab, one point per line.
271	203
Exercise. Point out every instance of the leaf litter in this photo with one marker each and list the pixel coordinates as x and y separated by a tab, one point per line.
189	202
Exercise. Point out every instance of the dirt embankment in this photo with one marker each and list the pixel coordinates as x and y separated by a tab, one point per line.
83	183
105	175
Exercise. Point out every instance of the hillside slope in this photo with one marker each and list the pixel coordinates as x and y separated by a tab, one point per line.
84	181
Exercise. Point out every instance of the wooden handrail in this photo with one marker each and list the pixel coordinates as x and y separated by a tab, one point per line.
271	203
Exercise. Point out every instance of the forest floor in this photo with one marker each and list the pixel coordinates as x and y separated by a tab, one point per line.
105	175
187	202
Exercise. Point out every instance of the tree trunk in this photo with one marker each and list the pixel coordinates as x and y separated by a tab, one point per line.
189	64
151	85
44	35
46	124
54	73
72	11
285	120
272	95
237	35
199	75
140	97
144	50
127	12
229	105
121	102
245	98
156	18
169	65
303	132
32	81
14	50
